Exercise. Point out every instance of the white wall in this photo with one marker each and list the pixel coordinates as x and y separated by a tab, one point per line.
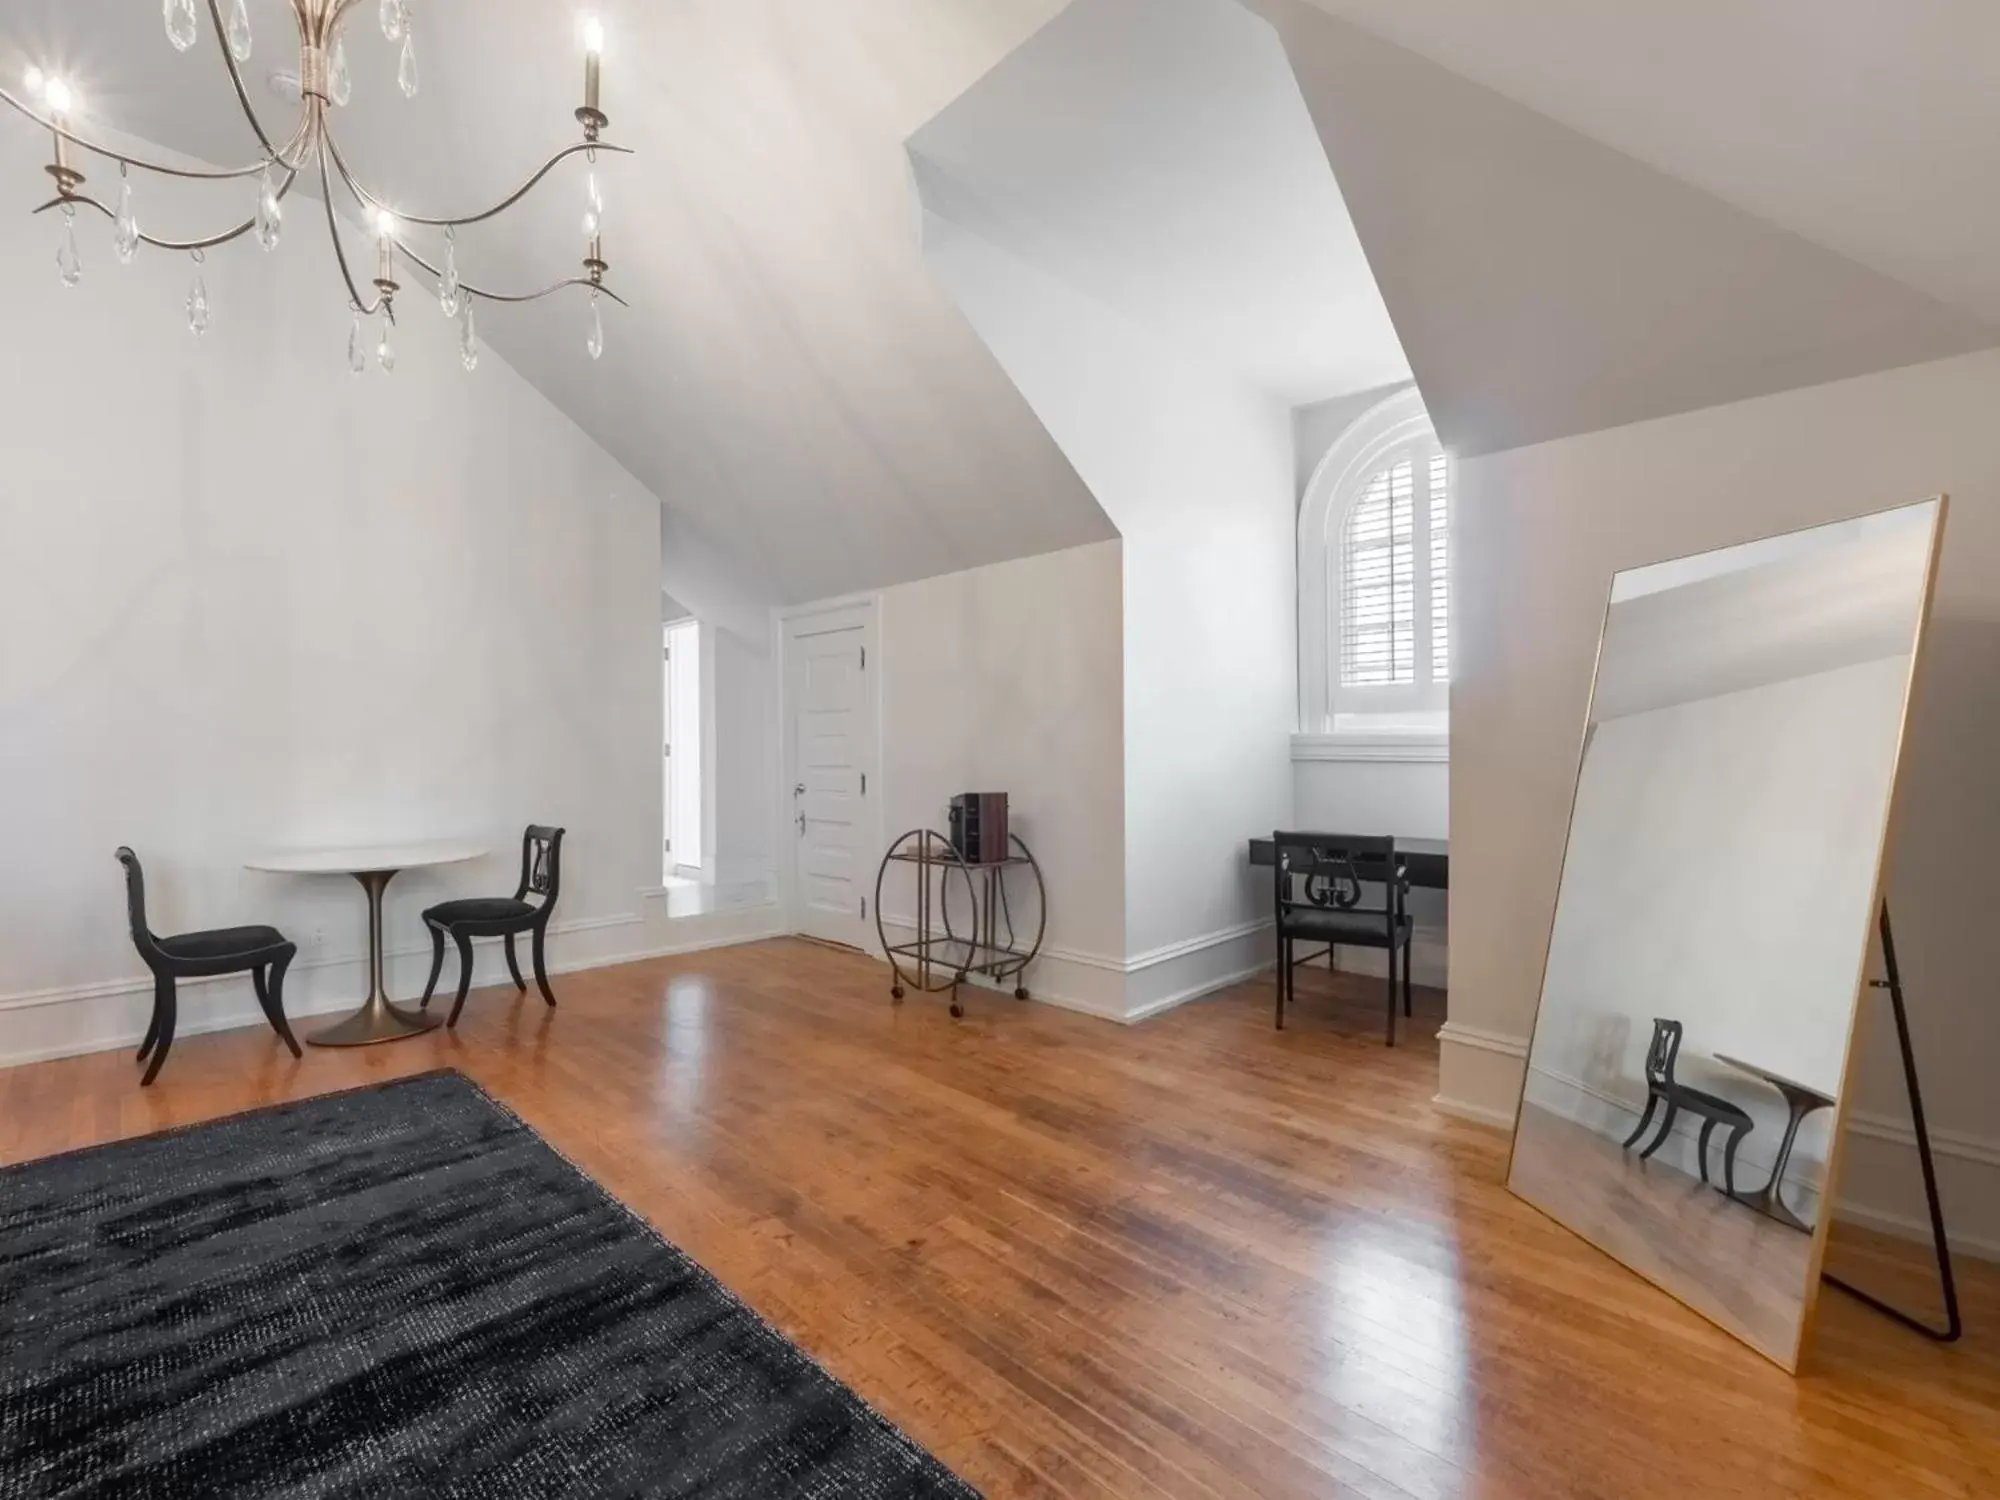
1196	471
254	601
1007	678
743	756
1786	785
1540	530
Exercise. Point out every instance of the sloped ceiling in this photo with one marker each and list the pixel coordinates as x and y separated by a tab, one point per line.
1545	283
1156	155
1579	213
789	380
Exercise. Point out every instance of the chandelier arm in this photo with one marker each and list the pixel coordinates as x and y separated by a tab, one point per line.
98	148
480	291
361	305
369	200
236	81
207	243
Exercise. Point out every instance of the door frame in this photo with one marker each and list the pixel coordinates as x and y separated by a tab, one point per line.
793	622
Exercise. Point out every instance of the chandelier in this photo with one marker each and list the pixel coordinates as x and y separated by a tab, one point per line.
312	149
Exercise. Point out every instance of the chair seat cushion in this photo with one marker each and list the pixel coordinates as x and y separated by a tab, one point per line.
1369	929
222	942
478	909
1702	1100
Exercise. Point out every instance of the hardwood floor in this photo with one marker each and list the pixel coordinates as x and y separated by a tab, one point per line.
1196	1257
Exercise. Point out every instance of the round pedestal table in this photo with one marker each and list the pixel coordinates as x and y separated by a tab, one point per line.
378	1020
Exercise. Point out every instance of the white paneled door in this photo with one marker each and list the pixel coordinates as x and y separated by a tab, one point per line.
830	712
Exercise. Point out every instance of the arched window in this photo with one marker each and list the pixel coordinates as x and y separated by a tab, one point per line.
1374	574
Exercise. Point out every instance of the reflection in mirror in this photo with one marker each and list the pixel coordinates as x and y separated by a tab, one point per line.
1716	907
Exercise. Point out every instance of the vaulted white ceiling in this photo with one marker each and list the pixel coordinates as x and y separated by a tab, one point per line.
1579	213
1546	283
1157	156
788	377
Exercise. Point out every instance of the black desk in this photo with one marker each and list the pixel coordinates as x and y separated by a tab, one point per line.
1427	860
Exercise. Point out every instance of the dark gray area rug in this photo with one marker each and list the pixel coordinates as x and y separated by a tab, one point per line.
399	1290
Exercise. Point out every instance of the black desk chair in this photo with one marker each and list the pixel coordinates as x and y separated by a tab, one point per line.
261	951
1325	904
1662	1087
502	916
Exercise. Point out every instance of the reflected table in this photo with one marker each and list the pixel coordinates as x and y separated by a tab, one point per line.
378	1020
1801	1099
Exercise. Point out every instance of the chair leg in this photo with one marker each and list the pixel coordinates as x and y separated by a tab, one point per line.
1284	973
541	967
464	976
1729	1159
1392	995
1406	981
1666	1129
271	995
164	1004
153	1026
437	966
1652	1103
513	965
1701	1147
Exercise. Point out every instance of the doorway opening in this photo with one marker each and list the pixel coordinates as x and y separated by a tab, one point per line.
681	769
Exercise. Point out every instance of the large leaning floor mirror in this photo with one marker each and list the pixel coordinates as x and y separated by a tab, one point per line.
1717	912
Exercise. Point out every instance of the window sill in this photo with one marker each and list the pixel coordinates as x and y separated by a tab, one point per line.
1406	746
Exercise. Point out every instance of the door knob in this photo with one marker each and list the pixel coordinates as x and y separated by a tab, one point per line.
799	790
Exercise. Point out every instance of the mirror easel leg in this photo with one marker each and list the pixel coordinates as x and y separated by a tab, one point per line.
1954	1324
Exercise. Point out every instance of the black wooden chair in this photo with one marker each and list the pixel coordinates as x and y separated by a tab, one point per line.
1321	880
263	952
503	917
1663	1088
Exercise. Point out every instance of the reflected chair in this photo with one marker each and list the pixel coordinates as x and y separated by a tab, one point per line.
262	952
1663	1088
1321	879
503	917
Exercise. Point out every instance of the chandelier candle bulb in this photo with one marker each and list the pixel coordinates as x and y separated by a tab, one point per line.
593	60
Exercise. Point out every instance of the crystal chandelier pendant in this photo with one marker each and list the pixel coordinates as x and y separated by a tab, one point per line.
339	81
270	213
468	339
595	342
385	352
392	19
68	262
125	228
197	301
357	351
406	70
448	295
237	30
179	16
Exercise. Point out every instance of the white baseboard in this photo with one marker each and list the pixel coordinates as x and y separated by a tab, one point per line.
1129	990
1479	1073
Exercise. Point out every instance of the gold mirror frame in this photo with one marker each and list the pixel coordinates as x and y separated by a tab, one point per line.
1786	1359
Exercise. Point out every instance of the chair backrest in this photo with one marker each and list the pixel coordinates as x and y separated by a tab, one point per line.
1664	1051
1331	868
135	902
541	864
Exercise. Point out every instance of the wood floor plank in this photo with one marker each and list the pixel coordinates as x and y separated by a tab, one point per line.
1196	1257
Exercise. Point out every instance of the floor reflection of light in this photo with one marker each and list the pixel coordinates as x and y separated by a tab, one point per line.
684	1055
1395	1312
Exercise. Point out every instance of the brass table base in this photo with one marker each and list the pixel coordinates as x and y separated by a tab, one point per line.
378	1019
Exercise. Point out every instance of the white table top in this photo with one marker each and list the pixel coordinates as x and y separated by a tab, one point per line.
355	861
